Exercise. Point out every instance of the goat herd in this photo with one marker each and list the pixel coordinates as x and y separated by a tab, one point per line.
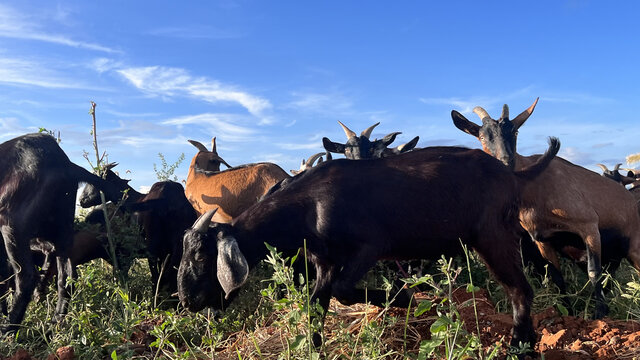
392	203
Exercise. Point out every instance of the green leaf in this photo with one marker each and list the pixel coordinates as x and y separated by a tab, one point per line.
423	307
440	325
298	342
471	288
563	310
114	356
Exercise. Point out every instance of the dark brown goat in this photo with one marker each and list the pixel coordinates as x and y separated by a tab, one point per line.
360	147
567	204
353	213
38	186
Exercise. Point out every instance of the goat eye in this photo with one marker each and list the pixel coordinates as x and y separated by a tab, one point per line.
199	257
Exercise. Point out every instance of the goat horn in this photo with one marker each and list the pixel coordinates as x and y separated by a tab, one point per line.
213	145
312	159
520	119
198	145
367	132
482	113
601	166
347	131
505	112
202	224
328	157
615	168
110	166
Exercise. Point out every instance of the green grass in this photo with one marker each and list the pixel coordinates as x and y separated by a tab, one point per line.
109	320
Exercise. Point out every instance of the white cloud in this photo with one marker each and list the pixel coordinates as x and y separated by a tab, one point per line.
222	125
321	103
10	127
290	146
102	65
169	82
16	25
26	72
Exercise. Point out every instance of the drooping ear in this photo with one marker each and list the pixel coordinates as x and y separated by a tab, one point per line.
198	145
388	139
465	125
232	266
332	146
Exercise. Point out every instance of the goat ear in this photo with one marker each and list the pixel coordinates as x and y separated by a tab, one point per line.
465	125
408	146
388	139
198	145
232	266
332	146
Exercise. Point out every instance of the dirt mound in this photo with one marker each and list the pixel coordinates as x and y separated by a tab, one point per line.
559	337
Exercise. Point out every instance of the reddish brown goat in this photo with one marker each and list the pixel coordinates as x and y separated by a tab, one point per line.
232	190
566	202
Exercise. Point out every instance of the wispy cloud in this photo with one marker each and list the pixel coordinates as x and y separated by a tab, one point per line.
291	146
102	65
10	127
26	72
16	25
321	102
195	32
170	82
222	125
466	104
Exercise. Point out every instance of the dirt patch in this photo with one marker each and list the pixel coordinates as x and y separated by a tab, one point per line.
559	337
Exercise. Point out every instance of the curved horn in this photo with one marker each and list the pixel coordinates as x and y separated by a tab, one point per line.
202	224
198	145
110	166
482	113
520	119
347	131
505	112
312	159
328	157
601	166
367	132
615	168
213	145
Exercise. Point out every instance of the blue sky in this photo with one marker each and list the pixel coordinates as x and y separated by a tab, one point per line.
271	78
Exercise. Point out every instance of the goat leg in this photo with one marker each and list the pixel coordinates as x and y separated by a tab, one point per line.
65	273
25	276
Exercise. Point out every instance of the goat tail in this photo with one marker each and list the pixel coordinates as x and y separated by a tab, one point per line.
543	161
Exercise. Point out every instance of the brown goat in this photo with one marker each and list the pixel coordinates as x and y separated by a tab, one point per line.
565	203
232	190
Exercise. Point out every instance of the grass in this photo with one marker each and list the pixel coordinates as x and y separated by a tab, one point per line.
270	319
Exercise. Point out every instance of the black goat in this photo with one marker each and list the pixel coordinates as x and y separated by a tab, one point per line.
38	186
164	213
353	213
360	147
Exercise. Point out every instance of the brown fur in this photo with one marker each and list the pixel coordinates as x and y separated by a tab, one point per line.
232	190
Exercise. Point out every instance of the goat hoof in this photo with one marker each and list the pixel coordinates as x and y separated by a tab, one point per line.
317	340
